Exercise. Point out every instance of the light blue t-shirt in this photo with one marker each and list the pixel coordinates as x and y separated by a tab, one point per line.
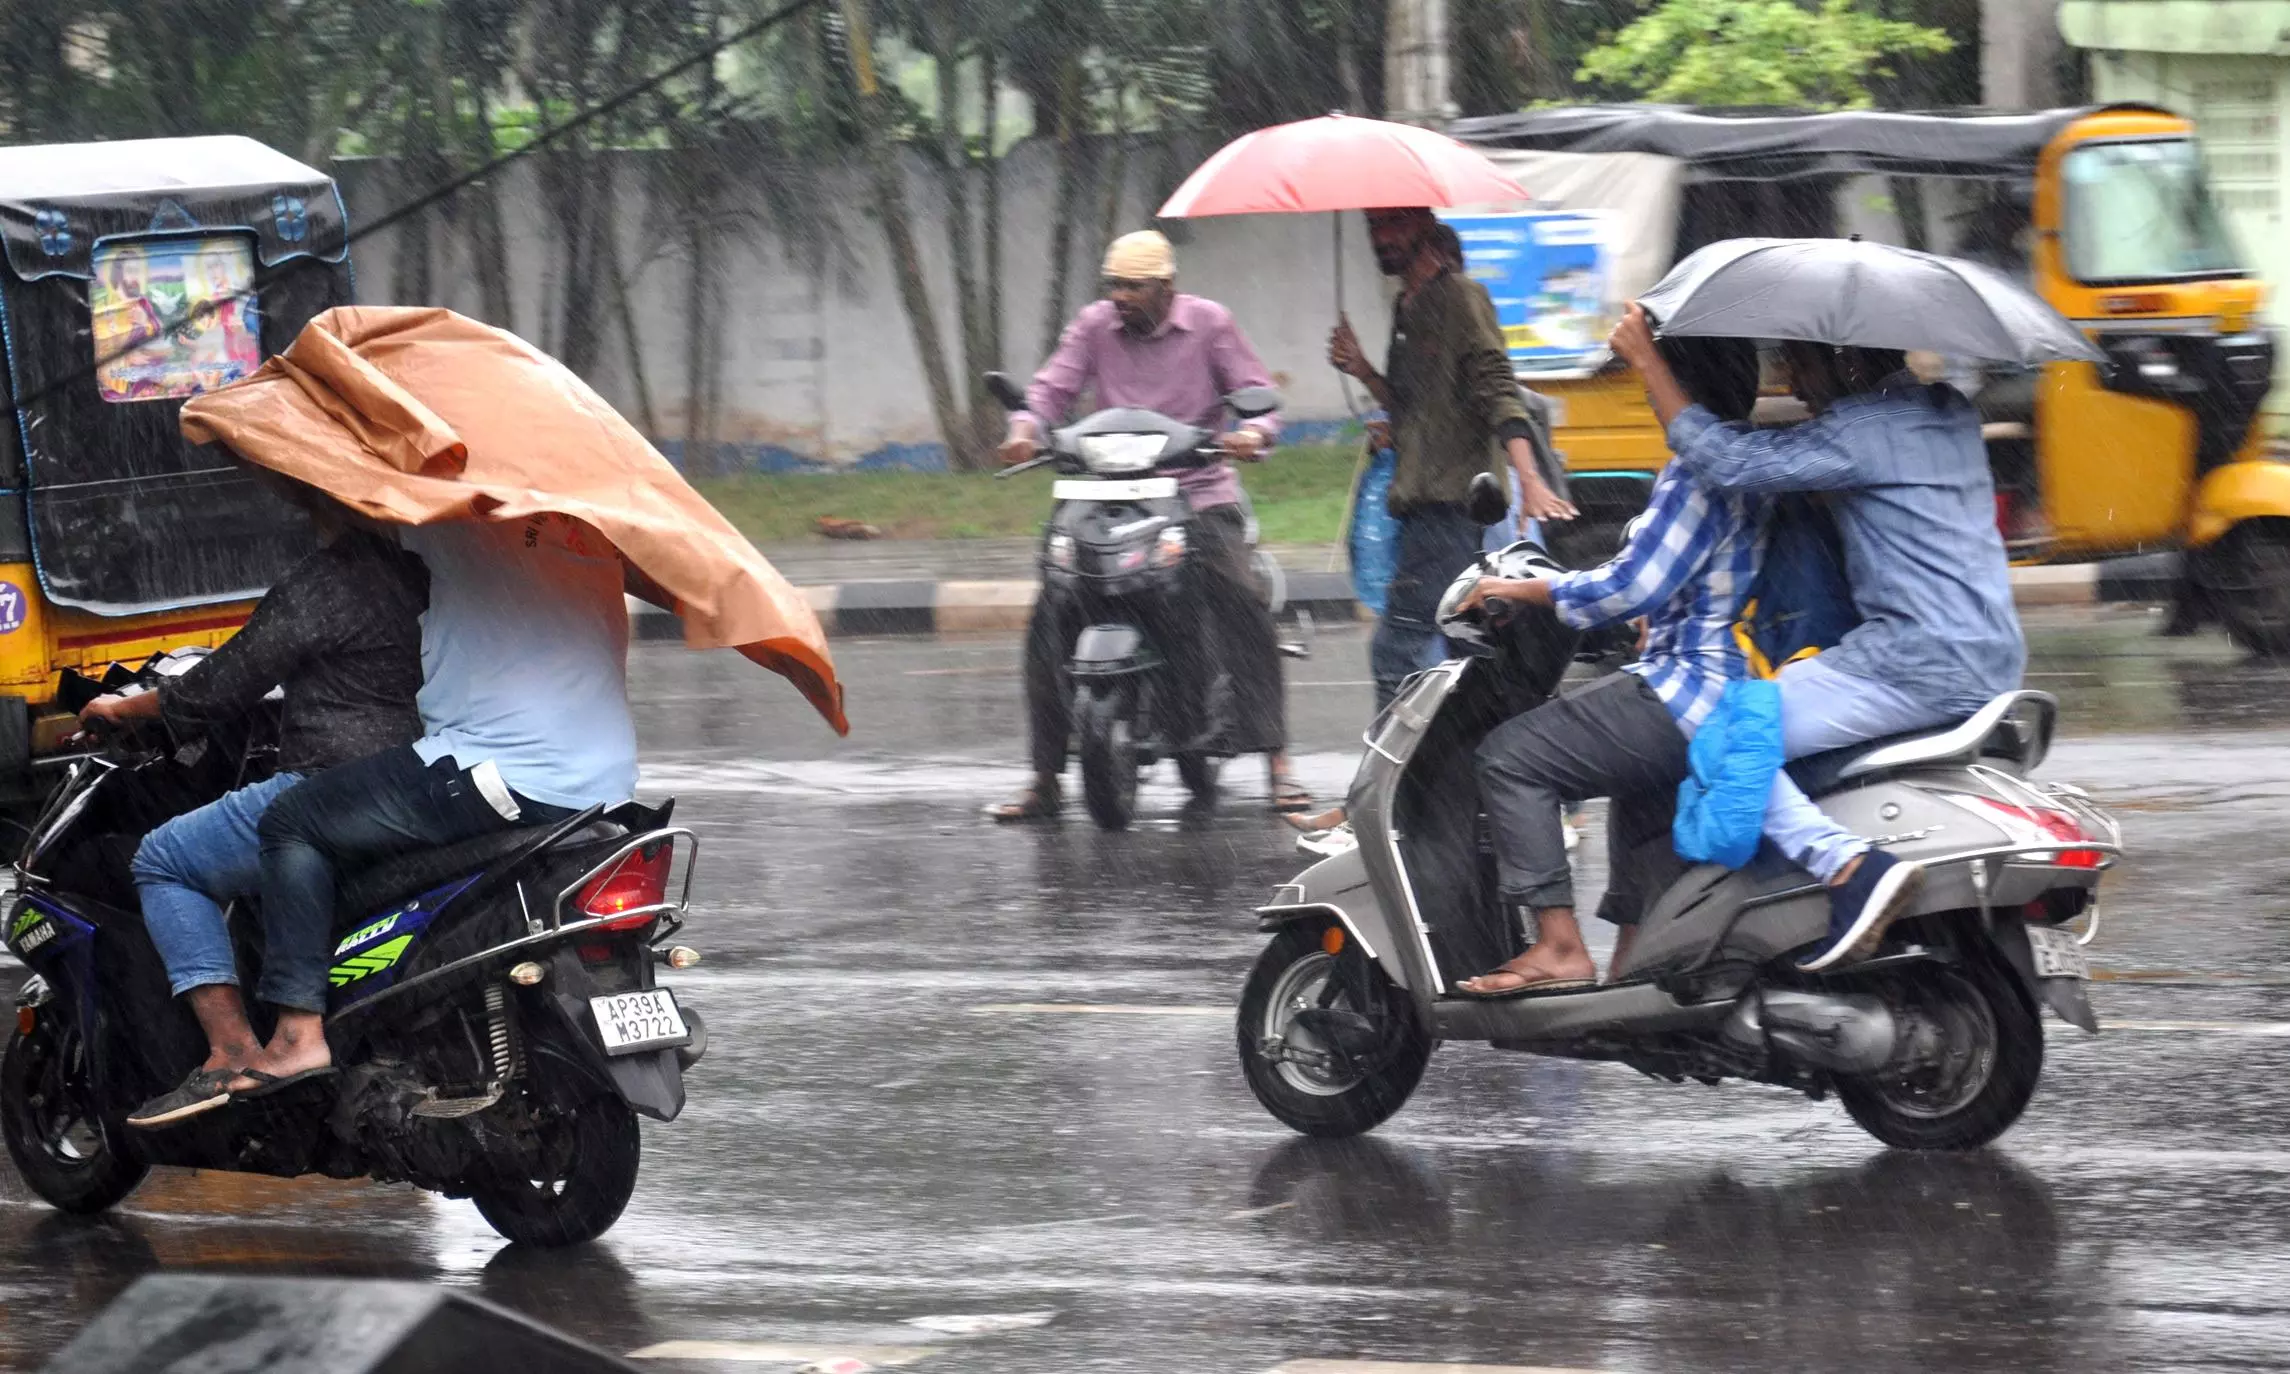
524	657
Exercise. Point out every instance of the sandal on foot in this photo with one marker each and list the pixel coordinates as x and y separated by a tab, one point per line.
1289	797
1326	820
1527	986
1036	803
203	1091
266	1084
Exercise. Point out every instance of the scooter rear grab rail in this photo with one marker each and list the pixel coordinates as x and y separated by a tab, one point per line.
559	929
641	842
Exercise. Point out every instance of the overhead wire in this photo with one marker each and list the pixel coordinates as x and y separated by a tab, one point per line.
205	310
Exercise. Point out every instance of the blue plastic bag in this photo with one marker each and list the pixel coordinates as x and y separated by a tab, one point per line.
1371	536
1721	804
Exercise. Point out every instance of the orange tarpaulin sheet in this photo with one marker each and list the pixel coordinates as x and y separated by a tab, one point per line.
418	415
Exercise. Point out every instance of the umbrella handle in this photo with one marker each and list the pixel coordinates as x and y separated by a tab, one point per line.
1343	383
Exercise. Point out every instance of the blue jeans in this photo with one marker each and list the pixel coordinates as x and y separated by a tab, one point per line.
1435	544
188	867
351	818
1824	709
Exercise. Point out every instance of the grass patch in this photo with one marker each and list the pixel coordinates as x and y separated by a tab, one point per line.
1299	493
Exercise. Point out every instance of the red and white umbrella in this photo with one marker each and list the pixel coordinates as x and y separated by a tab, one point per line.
1339	162
1336	163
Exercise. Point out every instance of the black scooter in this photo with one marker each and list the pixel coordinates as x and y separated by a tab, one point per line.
1116	543
495	1014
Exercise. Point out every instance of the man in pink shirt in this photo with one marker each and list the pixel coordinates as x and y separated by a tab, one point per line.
1148	346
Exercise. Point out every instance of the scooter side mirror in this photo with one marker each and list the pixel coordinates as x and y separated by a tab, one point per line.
1487	502
1001	388
1252	401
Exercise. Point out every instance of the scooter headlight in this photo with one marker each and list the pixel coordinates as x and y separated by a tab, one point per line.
1112	453
1169	549
1060	551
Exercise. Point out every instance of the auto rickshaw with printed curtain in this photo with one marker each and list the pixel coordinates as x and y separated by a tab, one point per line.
136	274
2104	211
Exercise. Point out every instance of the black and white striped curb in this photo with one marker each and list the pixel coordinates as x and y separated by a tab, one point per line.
922	607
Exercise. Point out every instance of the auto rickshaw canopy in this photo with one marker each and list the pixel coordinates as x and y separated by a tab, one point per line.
133	275
1782	145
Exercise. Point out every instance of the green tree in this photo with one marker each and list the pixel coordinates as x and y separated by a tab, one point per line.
1759	52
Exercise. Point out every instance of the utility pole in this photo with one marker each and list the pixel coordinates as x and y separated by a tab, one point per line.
2019	54
1416	61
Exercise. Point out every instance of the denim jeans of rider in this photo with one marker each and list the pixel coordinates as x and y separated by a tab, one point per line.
1218	620
1436	543
352	818
188	867
1823	709
1612	738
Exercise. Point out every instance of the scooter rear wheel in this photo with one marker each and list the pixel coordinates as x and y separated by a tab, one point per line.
595	1178
1108	756
1293	974
1990	1052
70	1156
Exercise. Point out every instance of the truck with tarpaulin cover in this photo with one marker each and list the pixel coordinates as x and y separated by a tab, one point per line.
137	274
2103	210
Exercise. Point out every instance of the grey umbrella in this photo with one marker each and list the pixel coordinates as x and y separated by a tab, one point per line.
1869	295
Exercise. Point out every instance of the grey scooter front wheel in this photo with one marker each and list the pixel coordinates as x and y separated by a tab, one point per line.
1311	1084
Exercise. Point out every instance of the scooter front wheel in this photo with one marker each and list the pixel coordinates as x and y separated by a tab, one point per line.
1108	756
75	1160
1311	1084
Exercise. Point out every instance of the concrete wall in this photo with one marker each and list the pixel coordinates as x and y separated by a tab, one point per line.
817	361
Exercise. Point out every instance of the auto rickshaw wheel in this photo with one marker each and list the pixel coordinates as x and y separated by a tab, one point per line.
2247	575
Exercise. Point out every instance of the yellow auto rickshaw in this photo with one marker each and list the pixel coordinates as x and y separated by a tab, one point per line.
2104	211
136	274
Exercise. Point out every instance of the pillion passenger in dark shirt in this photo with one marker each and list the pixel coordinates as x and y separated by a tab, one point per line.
341	633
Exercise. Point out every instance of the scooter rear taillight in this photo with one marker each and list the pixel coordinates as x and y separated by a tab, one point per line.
2033	825
638	883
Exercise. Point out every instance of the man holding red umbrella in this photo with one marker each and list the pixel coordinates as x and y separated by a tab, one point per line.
1455	410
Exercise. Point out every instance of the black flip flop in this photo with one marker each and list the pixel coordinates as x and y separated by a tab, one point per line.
1534	989
266	1084
203	1091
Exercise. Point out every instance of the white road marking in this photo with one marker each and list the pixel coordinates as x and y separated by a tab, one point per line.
981	1323
1396	1367
1067	1221
1093	1009
779	1352
2273	1028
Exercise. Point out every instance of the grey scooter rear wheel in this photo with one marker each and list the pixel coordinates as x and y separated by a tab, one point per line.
1984	1044
73	1159
1293	1073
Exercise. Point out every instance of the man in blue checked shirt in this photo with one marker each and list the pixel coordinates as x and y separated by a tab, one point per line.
1685	568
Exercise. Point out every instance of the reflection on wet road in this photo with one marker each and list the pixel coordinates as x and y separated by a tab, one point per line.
973	1104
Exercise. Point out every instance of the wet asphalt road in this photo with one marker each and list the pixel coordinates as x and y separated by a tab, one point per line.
891	1128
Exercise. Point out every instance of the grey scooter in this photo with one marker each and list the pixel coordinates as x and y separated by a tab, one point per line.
1934	1042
